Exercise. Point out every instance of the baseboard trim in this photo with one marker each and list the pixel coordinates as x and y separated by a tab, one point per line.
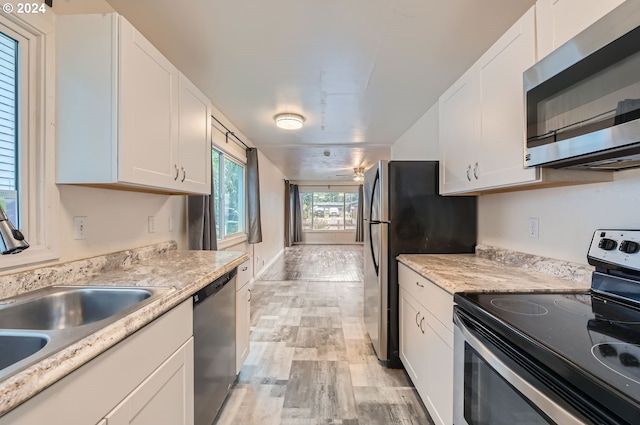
269	264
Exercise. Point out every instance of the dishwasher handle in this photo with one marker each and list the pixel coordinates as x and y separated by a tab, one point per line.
214	287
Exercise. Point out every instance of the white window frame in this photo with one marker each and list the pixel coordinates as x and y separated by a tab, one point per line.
338	189
235	238
39	198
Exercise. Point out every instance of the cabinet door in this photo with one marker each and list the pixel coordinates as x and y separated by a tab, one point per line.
194	136
148	112
500	151
439	382
558	21
413	346
165	397
243	325
458	132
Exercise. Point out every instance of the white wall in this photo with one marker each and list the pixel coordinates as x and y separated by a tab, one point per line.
568	216
272	212
420	141
117	220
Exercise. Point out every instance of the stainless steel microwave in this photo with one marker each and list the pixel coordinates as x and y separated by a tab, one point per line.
582	101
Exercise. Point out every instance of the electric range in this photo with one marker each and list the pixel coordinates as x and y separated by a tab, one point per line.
581	351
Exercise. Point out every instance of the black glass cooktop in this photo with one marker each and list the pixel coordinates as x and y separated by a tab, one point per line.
594	336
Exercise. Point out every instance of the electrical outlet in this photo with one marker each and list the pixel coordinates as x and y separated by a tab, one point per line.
534	225
152	224
171	223
80	227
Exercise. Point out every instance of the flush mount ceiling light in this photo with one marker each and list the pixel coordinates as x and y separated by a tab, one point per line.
289	121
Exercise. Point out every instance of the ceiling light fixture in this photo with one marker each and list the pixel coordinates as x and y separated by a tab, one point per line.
289	121
358	174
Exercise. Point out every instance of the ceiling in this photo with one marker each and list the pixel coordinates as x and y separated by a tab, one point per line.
361	72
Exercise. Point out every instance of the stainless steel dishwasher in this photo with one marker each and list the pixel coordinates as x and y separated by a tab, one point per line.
214	336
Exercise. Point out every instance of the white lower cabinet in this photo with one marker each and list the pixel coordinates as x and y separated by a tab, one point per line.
147	379
426	342
243	313
439	362
164	397
412	339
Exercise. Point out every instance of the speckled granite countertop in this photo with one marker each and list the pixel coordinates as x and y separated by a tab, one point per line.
185	271
484	272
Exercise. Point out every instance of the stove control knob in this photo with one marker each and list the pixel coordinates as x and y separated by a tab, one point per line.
629	247
607	244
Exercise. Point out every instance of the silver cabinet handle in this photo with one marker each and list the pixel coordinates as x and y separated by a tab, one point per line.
184	174
177	172
419	284
249	300
469	172
417	314
475	171
421	324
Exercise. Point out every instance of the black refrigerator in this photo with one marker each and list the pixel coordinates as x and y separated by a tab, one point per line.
404	214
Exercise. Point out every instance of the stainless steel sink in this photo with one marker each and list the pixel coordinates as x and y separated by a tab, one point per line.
64	307
40	323
15	347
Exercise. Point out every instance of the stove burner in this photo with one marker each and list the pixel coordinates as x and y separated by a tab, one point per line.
526	308
575	303
620	357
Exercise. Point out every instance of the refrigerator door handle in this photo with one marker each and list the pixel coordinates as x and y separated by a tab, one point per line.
376	181
376	266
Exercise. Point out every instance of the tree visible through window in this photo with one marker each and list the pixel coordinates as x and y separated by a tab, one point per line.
8	128
329	210
229	195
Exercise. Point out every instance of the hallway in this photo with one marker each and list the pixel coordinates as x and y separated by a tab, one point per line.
311	362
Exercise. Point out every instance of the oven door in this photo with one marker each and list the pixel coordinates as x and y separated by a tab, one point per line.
491	388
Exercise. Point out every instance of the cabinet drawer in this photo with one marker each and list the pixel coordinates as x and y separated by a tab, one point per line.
435	299
245	271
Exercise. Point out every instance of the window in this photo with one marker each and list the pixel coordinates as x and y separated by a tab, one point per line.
27	133
229	195
329	210
8	128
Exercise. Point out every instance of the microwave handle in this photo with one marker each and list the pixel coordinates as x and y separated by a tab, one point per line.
547	405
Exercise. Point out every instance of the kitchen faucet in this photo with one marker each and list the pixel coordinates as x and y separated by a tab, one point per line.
12	240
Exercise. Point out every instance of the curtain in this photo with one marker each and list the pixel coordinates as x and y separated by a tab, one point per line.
359	219
296	214
202	222
288	223
254	227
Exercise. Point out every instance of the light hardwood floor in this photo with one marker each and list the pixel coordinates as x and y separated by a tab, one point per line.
311	362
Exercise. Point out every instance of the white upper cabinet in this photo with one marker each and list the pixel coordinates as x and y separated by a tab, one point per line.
194	136
499	70
459	126
560	20
482	116
147	111
127	118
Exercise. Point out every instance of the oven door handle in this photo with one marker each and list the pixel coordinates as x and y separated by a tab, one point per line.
547	405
